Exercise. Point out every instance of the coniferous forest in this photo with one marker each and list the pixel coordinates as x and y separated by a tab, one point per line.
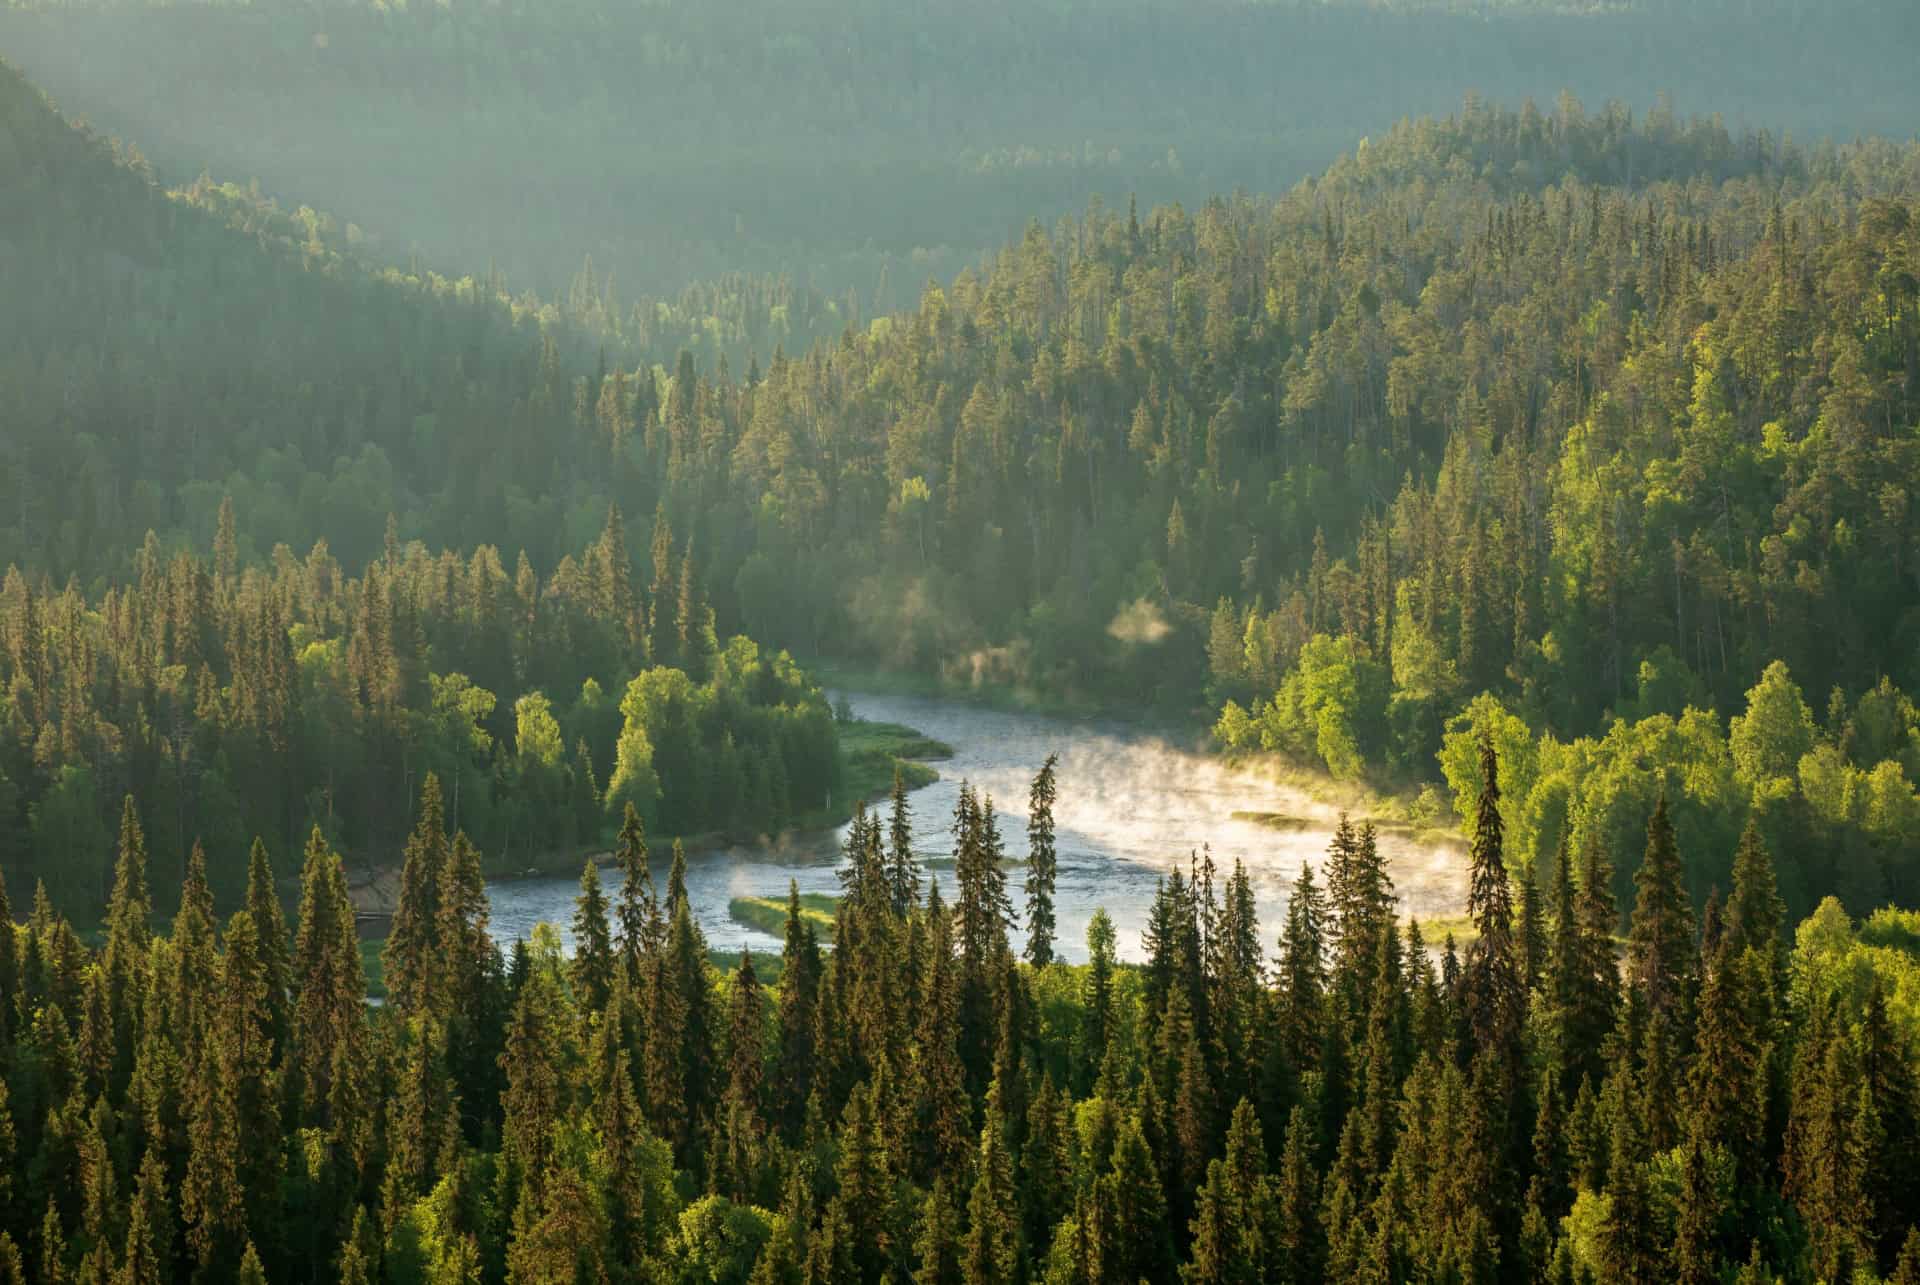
441	444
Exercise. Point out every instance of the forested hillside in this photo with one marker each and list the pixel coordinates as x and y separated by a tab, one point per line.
1601	418
861	146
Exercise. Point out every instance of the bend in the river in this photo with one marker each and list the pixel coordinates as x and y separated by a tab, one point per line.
1130	806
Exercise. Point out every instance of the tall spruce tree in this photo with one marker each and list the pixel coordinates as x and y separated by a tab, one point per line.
593	962
1042	864
1660	942
411	955
1495	990
903	876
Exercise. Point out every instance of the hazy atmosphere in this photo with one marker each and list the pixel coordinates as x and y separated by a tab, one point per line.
1072	643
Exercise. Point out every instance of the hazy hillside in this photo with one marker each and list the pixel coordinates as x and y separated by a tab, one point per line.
871	145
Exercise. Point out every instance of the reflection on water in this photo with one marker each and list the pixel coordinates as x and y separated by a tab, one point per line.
1129	807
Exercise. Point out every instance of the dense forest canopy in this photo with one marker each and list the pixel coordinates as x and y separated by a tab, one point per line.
920	1103
1607	419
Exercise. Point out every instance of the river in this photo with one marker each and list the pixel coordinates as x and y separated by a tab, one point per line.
1130	806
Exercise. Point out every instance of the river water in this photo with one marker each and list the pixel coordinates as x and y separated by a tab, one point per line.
1130	806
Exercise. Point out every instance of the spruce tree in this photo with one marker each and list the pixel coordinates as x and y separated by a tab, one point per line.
942	1112
1041	865
128	942
1660	945
592	967
1596	998
1302	974
149	1251
1628	1250
329	1023
992	1252
411	955
1495	993
799	997
937	1248
9	969
1137	1205
211	1201
637	912
1098	994
903	876
270	931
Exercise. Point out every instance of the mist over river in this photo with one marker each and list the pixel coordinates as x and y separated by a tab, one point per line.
1130	805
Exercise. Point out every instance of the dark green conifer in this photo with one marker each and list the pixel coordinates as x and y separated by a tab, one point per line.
1496	999
799	993
592	967
1042	865
902	875
636	913
411	955
992	1250
270	931
1660	941
937	1248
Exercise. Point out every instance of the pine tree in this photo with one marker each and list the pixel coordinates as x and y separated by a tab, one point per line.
1889	1132
1724	1083
1237	1216
1041	865
534	1098
746	1067
409	959
1532	939
1692	1259
863	1205
193	952
1906	1270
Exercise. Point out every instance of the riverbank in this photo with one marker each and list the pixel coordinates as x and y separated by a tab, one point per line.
1012	698
869	751
769	914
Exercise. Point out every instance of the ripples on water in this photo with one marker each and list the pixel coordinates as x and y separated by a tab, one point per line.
1129	807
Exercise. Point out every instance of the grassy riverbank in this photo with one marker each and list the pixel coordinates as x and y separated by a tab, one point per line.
870	753
769	914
